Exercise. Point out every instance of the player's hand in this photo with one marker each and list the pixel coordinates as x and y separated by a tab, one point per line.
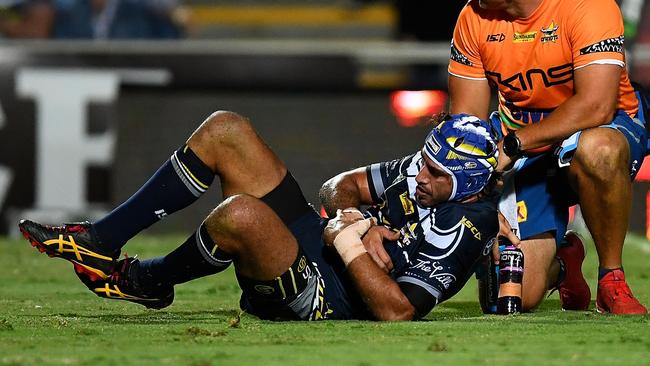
343	219
504	162
505	230
373	241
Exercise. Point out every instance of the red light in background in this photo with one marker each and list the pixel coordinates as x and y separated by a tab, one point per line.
412	106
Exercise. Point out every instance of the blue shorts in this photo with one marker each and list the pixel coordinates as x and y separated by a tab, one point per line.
331	295
339	292
536	199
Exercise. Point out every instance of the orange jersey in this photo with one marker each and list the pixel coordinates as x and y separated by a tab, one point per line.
532	59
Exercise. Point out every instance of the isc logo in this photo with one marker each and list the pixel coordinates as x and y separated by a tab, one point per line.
499	37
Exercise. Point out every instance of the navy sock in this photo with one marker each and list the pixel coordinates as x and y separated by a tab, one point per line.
178	183
197	257
603	271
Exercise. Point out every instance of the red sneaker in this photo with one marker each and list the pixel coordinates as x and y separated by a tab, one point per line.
615	297
574	290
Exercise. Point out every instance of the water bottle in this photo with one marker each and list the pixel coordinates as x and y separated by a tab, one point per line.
511	272
488	284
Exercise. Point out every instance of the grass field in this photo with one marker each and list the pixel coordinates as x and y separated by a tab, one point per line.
48	318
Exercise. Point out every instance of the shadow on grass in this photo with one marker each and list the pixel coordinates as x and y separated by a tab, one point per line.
458	310
473	308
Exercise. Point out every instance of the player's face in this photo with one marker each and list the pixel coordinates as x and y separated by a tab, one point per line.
434	184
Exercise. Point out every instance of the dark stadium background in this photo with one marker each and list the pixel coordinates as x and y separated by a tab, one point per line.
319	92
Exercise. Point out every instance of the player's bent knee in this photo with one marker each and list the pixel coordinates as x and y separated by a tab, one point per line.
531	301
533	290
222	127
602	152
539	252
238	213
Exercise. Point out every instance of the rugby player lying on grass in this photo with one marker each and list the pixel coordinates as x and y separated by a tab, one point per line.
435	212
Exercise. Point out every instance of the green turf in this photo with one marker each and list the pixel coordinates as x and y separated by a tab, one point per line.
48	318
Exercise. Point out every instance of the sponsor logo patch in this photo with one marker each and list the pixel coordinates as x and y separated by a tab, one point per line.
302	264
522	211
607	45
433	269
524	37
499	37
406	203
488	246
475	232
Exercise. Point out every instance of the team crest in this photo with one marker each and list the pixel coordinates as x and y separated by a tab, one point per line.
550	32
522	211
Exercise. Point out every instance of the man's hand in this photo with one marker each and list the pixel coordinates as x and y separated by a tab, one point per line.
343	219
344	232
504	162
505	230
373	241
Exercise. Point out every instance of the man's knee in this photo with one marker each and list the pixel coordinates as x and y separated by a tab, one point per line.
221	127
602	153
236	218
539	254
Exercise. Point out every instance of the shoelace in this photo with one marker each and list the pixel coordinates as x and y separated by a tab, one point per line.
626	292
117	277
122	277
66	228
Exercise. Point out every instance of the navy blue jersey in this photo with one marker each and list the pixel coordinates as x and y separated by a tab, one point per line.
439	245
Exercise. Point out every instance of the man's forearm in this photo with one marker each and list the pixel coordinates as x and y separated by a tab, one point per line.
381	293
593	104
570	117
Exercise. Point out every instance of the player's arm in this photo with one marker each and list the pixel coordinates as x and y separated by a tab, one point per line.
596	77
469	89
469	96
593	104
363	186
381	293
348	189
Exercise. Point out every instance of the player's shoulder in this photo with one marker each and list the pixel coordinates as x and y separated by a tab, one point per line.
604	8
400	167
577	4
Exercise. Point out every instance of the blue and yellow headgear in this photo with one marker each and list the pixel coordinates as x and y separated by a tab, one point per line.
464	146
